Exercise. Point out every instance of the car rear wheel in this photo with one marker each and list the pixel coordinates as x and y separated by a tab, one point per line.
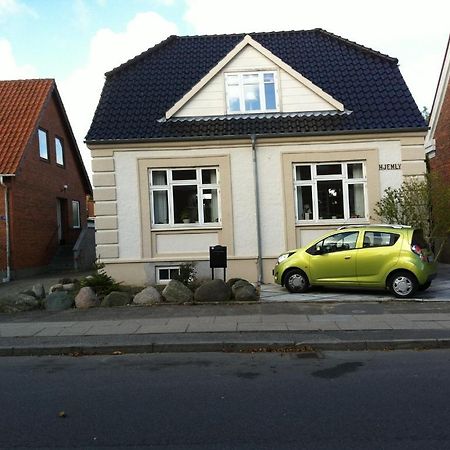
296	281
403	284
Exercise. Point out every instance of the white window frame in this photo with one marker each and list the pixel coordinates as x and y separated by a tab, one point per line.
57	160
346	182
160	280
43	152
262	92
76	223
200	196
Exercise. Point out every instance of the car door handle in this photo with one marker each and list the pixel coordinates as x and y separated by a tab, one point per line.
347	257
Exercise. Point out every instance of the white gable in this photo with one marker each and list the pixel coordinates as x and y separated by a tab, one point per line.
296	93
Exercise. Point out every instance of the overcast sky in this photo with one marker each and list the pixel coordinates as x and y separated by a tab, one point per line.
77	41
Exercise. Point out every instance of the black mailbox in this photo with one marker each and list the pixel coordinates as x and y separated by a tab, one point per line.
218	257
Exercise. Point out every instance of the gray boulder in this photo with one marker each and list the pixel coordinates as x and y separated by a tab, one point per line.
243	291
177	292
38	291
22	302
116	298
213	291
58	301
68	287
231	281
86	298
148	296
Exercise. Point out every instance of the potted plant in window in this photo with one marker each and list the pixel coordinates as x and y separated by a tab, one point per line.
184	216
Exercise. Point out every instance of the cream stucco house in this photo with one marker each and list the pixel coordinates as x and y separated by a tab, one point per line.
258	142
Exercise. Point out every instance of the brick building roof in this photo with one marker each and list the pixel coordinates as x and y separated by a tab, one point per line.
369	84
21	102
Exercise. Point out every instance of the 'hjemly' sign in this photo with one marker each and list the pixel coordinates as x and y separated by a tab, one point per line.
389	166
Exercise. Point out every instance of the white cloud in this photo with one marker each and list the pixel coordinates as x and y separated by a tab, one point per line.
400	29
9	68
81	90
9	7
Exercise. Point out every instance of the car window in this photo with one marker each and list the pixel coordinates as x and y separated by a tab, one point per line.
379	239
418	239
336	243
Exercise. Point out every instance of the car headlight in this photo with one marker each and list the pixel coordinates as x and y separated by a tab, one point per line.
284	256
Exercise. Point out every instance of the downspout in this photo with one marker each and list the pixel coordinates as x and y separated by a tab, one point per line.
8	249
258	211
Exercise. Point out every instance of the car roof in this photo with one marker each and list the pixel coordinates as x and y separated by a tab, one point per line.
377	226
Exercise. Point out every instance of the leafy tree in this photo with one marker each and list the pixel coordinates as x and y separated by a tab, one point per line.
421	202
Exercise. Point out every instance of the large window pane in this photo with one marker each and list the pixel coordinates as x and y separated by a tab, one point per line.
233	94
185	204
210	206
356	200
329	169
160	207
269	92
43	150
76	214
331	204
304	203
59	152
251	97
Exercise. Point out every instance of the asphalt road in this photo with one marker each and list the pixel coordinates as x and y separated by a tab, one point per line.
347	400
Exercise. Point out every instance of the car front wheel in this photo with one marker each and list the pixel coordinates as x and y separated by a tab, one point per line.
403	284
296	281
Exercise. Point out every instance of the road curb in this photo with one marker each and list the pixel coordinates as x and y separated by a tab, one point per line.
227	347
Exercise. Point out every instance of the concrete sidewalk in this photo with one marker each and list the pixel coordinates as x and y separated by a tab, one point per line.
227	328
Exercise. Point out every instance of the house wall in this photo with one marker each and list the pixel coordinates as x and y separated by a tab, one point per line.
33	197
440	164
132	249
293	95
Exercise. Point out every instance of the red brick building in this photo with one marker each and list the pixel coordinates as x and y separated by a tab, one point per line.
43	182
438	138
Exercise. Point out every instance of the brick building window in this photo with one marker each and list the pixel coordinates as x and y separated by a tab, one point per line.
59	150
43	144
76	223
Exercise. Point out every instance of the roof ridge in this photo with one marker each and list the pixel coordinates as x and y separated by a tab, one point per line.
136	58
19	80
355	44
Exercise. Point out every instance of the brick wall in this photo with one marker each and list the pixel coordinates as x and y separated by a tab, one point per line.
441	162
34	193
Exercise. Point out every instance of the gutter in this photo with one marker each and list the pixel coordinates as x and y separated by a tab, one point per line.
245	136
7	238
258	211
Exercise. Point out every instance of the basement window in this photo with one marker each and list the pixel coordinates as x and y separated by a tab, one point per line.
165	274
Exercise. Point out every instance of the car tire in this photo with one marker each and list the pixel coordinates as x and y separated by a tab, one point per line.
296	281
403	284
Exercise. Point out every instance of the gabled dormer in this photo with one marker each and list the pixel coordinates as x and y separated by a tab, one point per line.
252	80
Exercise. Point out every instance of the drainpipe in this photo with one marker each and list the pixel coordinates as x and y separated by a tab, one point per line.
8	250
258	218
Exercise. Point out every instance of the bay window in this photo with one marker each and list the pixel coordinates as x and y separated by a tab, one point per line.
251	92
184	196
330	192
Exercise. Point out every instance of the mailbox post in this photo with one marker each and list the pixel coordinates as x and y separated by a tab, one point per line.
218	259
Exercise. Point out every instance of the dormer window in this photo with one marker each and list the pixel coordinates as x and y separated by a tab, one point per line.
251	92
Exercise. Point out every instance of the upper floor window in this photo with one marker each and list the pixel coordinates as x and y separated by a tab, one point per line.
251	92
59	150
330	191
189	195
43	144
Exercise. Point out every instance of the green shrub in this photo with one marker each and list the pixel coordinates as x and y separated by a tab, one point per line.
100	282
187	275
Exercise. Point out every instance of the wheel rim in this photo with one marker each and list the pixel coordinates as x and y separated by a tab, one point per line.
402	286
297	281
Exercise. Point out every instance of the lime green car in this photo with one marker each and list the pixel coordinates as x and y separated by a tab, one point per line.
395	257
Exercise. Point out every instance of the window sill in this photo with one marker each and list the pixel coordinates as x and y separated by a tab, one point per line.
186	227
334	222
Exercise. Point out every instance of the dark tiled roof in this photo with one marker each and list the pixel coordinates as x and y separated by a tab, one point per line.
138	93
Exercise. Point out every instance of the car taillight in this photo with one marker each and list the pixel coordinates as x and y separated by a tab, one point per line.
419	252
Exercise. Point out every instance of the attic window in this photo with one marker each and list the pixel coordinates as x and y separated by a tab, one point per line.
251	92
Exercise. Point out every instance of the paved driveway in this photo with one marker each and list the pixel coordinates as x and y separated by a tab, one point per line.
438	292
